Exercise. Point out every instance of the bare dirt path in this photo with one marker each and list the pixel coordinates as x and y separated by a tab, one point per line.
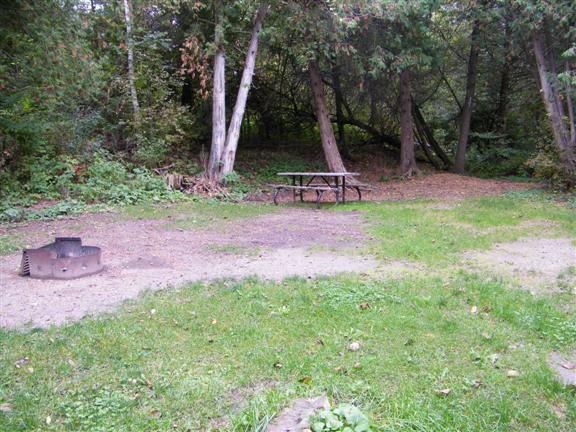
145	254
539	265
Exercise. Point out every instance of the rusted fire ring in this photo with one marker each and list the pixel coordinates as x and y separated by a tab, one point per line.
66	258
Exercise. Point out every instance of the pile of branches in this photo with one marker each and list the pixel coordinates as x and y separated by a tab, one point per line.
195	185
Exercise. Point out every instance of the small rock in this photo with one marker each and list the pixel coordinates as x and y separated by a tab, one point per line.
295	418
354	346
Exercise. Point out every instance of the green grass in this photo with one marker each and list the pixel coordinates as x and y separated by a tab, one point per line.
231	355
197	214
420	231
183	360
9	244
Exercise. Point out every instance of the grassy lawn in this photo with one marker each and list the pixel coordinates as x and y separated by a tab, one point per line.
435	233
10	243
183	360
440	350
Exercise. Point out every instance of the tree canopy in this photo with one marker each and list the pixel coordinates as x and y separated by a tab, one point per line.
482	86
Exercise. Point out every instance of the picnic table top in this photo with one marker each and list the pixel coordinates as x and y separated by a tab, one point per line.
320	174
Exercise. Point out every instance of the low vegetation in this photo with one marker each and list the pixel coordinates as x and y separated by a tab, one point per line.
452	353
436	233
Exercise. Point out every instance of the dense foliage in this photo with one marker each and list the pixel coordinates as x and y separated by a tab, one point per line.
67	99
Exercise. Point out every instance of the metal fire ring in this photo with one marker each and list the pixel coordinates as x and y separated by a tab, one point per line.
66	258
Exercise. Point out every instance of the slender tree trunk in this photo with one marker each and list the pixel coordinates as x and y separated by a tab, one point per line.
331	153
429	135
459	164
503	95
571	119
130	46
231	143
218	101
407	156
338	100
552	103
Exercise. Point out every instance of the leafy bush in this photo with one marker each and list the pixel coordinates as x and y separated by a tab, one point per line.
104	180
109	180
343	418
546	165
498	161
162	131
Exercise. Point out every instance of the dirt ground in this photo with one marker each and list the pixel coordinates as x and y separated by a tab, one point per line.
445	186
539	265
145	254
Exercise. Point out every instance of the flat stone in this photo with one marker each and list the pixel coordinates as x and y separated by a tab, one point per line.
295	418
564	368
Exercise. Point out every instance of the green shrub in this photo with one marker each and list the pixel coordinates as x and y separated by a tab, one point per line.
343	418
546	165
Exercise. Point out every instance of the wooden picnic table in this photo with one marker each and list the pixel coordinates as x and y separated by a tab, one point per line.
319	182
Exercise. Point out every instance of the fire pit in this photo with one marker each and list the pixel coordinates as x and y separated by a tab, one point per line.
66	258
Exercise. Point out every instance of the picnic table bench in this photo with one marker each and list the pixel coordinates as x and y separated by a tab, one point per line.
319	182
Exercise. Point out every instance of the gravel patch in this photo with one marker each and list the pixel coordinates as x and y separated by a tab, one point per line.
143	255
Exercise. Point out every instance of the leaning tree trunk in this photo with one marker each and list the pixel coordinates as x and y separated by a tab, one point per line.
407	156
231	143
338	101
552	102
131	73
331	153
218	102
429	135
466	118
571	119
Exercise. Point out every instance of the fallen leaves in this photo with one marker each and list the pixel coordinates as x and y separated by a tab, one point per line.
305	380
5	407
364	306
474	310
512	373
444	392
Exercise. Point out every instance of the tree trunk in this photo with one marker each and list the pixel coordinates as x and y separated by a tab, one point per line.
429	135
571	119
130	46
338	98
503	95
552	103
459	164
407	156
218	101
231	144
331	153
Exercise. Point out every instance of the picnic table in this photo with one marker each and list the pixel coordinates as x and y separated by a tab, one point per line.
319	182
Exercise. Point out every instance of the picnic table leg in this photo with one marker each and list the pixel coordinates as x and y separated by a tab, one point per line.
294	190
359	193
337	189
344	190
301	191
276	192
319	194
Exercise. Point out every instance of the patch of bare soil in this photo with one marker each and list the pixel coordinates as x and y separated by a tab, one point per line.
445	186
564	367
144	254
540	265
